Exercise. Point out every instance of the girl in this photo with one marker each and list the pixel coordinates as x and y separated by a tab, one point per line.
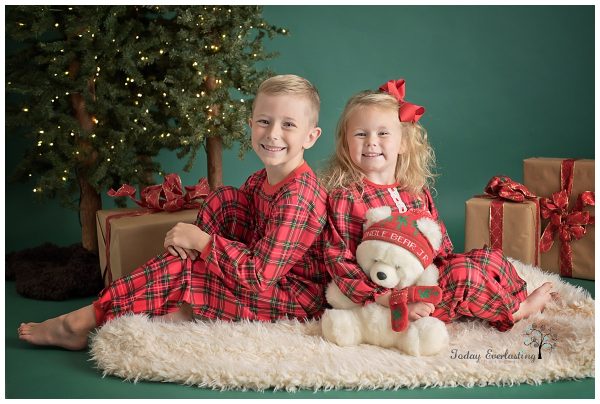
383	157
254	253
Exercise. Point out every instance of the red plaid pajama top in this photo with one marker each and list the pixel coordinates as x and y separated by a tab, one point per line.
264	261
481	283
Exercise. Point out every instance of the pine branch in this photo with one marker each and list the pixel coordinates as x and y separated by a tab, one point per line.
148	78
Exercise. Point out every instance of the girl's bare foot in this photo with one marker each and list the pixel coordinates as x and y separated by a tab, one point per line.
69	331
535	302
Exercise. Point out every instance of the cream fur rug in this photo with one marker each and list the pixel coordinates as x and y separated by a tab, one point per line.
290	355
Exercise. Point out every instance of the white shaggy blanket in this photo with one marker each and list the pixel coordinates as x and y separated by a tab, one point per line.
290	355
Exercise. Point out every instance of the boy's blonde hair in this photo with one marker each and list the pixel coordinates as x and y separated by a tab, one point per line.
414	166
290	84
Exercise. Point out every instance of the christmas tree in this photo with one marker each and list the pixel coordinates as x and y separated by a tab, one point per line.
102	89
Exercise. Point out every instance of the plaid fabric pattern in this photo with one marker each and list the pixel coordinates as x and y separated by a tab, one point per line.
480	283
483	284
264	261
347	209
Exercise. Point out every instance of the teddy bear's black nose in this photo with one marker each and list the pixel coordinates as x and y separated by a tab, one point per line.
381	276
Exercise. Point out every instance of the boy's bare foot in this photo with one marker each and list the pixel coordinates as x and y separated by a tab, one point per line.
535	302
69	331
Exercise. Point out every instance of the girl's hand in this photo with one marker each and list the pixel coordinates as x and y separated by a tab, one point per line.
384	300
184	238
416	310
419	310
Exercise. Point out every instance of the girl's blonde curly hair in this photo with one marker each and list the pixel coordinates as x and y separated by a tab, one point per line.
414	169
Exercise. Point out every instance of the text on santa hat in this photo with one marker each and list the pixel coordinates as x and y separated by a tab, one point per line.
397	238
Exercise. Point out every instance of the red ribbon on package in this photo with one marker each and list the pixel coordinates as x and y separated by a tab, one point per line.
502	188
407	111
167	197
569	225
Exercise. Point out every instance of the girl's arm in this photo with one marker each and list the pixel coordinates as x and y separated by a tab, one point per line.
294	224
447	246
346	233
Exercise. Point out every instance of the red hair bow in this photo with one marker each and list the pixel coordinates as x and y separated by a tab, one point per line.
407	112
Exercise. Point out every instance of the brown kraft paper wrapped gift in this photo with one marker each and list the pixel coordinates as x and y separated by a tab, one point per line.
520	233
135	239
543	177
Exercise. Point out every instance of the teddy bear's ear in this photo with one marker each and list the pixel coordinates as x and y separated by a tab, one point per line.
432	231
375	215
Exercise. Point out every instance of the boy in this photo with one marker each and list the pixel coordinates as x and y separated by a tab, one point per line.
253	253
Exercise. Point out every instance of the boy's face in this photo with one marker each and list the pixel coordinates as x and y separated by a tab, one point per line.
281	129
374	137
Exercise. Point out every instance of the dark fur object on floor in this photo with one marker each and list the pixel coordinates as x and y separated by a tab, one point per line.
49	272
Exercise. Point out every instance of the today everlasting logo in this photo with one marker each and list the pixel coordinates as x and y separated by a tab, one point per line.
540	337
537	336
491	355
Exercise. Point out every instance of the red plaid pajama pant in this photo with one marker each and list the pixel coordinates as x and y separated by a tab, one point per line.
483	284
162	284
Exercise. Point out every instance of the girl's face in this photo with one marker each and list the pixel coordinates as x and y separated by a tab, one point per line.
374	137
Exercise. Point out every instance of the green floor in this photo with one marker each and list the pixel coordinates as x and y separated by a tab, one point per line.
34	372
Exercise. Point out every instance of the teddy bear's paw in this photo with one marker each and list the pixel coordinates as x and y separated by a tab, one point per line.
341	327
432	335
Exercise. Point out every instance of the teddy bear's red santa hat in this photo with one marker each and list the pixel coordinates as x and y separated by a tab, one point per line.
402	229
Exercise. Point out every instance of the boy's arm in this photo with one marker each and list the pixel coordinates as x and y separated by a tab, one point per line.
346	232
292	228
447	246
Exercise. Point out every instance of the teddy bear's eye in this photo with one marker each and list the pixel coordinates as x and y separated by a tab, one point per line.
375	260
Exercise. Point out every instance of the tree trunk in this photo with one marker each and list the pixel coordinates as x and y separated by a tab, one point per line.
147	177
214	153
214	144
89	202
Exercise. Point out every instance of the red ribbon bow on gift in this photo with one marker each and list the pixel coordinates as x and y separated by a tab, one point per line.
168	197
503	188
407	112
569	225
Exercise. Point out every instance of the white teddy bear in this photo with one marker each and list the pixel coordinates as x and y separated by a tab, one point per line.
396	252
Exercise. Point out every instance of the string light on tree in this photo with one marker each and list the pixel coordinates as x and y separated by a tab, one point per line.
101	98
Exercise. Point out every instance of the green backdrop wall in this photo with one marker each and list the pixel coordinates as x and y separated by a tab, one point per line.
500	84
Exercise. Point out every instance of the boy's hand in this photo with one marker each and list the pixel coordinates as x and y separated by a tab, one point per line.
185	240
419	310
183	253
